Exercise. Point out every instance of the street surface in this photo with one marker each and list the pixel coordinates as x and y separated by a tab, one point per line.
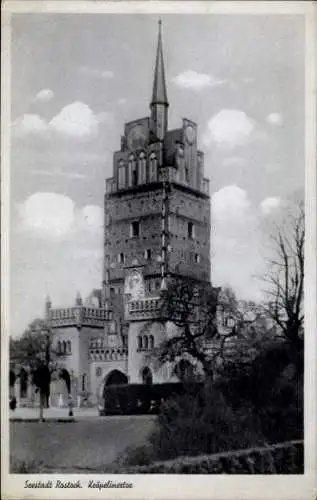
89	443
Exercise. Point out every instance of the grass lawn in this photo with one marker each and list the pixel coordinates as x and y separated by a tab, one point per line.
80	446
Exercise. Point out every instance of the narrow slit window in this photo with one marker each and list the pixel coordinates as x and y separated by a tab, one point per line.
191	230
135	229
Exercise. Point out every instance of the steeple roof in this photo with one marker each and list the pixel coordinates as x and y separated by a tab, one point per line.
159	95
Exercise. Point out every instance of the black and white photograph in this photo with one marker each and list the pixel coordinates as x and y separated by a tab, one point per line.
157	237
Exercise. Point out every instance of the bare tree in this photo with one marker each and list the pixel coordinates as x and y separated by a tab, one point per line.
285	278
192	308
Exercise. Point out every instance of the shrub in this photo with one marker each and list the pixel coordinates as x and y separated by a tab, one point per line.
18	466
205	423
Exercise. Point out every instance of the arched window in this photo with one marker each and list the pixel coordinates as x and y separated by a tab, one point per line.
139	342
59	347
151	342
64	347
147	377
121	175
142	169
69	347
145	342
132	171
153	168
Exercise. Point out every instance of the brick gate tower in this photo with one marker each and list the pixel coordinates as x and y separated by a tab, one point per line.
157	217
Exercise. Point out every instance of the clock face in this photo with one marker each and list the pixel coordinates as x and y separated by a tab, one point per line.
190	134
136	137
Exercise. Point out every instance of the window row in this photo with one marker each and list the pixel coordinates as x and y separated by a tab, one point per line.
145	342
121	258
136	172
64	347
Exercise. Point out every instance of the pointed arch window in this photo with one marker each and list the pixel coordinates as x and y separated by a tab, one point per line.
69	347
121	175
142	169
133	172
145	342
153	168
151	342
64	347
59	347
139	342
147	377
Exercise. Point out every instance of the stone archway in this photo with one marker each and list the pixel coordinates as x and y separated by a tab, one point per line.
115	377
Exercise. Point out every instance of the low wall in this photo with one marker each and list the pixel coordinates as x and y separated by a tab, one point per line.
283	458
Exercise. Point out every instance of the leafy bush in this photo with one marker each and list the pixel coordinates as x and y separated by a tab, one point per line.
205	423
234	412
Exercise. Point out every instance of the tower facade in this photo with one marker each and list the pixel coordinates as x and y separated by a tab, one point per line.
157	203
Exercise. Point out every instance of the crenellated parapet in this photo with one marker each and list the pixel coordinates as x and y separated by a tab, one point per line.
143	309
99	350
78	316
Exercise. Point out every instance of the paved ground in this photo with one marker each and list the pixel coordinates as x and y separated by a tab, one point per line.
90	442
53	413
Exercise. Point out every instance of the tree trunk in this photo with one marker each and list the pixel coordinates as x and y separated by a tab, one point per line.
42	404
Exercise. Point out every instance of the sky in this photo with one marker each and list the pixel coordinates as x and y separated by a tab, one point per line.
77	78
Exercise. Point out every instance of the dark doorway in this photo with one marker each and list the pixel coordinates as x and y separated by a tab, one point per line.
116	378
147	377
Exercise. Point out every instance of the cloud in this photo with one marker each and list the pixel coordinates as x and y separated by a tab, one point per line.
248	79
96	73
75	120
230	203
236	258
54	216
229	127
269	204
274	119
29	124
91	218
196	81
49	215
121	102
44	95
233	161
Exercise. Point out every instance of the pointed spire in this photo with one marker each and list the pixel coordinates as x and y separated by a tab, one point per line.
159	95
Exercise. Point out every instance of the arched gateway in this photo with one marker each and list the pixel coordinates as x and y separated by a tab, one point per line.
115	377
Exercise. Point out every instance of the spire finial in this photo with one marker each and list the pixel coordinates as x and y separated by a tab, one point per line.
159	95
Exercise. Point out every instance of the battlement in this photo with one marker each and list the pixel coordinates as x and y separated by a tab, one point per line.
99	350
147	308
78	316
